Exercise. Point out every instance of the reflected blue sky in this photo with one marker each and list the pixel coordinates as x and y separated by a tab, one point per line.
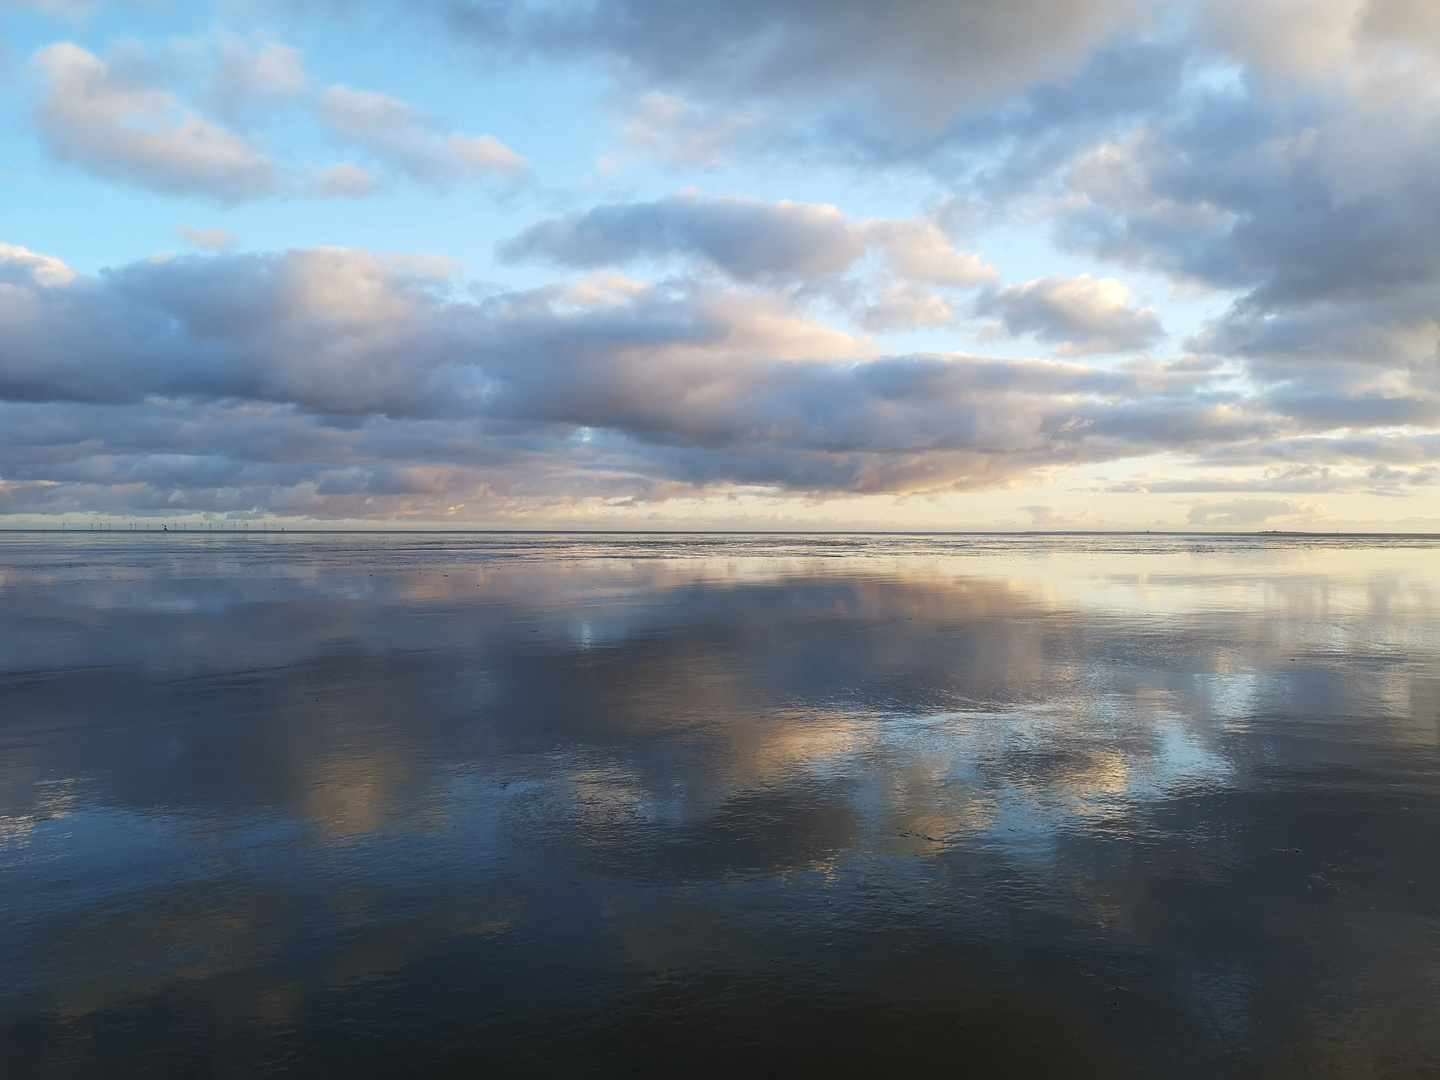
584	804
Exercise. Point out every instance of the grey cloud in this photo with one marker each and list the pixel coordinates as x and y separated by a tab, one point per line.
1003	151
1378	479
1415	451
1318	210
1298	203
748	239
1406	21
919	61
319	328
322	379
1080	314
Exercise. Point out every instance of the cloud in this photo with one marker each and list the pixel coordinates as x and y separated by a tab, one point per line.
113	120
244	77
681	134
1301	180
363	370
1410	22
94	119
1079	315
1251	512
1045	516
748	239
919	250
344	181
20	266
904	306
217	236
335	382
917	63
1378	479
398	134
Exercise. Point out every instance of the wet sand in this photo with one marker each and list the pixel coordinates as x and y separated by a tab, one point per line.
427	805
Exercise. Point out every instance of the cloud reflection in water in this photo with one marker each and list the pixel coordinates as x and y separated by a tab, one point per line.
418	802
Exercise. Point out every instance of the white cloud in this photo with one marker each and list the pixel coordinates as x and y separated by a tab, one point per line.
394	132
1045	516
919	250
1079	315
1252	512
904	305
98	121
17	264
344	181
217	236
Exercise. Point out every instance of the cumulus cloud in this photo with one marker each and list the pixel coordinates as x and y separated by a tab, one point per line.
1079	315
1277	160
1323	220
918	249
748	239
115	119
903	305
336	382
631	387
108	125
398	134
20	266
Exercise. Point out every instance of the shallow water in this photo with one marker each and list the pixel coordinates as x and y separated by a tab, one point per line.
595	805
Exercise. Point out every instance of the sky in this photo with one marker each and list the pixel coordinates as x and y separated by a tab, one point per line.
761	264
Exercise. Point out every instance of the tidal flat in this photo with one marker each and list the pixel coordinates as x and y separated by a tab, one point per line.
615	805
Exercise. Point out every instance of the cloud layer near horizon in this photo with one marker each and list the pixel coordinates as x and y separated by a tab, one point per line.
609	381
337	383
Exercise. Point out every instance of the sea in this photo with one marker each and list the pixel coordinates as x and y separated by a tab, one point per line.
572	805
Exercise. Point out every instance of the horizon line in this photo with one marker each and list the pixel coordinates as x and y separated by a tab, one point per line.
351	530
